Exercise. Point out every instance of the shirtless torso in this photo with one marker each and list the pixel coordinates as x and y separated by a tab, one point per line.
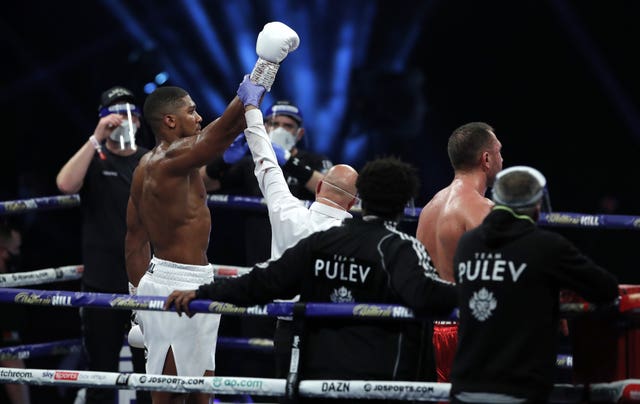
167	210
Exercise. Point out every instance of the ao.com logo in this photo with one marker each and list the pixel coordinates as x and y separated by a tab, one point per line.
219	382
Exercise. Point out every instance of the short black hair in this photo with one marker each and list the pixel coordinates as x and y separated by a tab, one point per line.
385	185
161	101
466	143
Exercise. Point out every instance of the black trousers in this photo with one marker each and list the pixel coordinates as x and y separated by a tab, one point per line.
103	334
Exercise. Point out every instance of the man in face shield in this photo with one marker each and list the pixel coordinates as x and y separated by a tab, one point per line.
124	134
234	172
101	171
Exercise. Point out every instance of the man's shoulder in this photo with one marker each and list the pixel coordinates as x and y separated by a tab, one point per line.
318	162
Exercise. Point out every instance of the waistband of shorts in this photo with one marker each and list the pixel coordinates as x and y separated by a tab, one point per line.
174	271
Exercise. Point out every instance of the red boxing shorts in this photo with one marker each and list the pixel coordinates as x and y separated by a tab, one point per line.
445	341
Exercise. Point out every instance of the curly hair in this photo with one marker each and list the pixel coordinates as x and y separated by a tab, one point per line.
385	185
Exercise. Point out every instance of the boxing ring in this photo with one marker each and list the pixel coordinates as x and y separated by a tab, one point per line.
626	389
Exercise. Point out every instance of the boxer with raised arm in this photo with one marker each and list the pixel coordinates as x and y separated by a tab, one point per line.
474	152
168	213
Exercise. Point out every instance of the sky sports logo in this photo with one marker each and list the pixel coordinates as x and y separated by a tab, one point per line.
60	375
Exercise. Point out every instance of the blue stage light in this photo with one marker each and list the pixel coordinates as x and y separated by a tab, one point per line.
149	88
161	78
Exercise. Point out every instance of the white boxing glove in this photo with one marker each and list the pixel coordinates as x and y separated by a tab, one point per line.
135	337
274	43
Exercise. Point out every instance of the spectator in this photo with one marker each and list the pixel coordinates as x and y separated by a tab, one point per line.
101	171
13	317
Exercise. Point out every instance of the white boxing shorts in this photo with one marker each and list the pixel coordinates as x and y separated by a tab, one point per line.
192	340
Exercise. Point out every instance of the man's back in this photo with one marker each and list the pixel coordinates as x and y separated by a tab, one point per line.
362	261
510	314
451	212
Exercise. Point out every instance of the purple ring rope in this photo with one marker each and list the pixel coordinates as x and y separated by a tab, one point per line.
156	303
555	219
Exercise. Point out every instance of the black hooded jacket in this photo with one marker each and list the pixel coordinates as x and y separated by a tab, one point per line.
509	274
362	261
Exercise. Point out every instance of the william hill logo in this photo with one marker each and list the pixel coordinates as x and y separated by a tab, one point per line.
226	308
367	310
31	298
130	303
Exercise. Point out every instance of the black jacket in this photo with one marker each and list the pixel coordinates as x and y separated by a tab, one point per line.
509	274
366	261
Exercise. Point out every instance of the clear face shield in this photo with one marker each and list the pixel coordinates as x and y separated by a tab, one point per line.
125	134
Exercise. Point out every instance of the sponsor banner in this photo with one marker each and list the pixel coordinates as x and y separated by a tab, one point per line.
373	310
64	375
227	308
41	276
375	390
132	302
14	375
216	385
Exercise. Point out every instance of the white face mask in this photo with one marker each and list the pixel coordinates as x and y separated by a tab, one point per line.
283	138
125	135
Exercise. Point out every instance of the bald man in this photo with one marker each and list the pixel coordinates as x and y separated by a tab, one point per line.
290	219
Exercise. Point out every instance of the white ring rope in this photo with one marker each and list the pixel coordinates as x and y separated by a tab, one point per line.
73	272
139	381
58	274
344	389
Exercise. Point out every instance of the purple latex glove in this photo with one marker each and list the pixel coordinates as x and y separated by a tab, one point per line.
249	92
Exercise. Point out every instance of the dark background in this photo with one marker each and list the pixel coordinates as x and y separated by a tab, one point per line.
557	79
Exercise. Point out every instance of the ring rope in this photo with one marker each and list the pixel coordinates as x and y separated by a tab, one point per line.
67	346
560	219
57	274
62	347
357	310
628	389
73	272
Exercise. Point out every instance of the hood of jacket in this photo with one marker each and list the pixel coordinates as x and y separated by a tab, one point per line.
503	225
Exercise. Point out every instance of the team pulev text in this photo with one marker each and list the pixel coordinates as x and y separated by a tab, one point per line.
489	267
342	268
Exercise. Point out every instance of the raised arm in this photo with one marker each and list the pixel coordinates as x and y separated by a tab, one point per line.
274	43
71	176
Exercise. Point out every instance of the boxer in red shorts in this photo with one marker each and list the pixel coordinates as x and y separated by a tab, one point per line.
474	152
